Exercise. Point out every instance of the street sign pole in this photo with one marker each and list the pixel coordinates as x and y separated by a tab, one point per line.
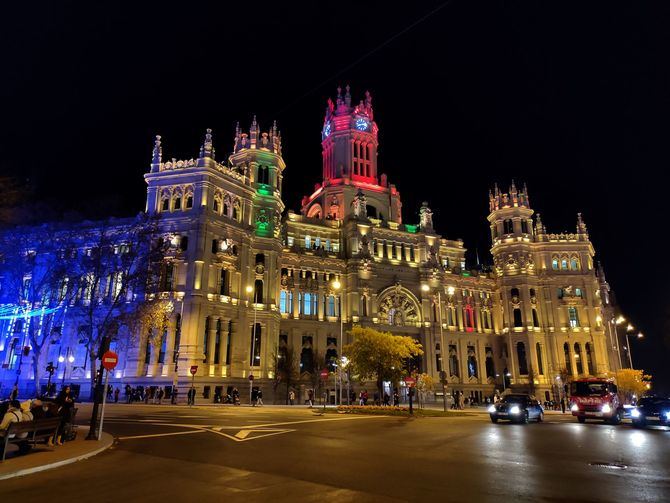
104	401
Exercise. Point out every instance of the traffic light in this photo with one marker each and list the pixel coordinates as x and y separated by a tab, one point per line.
26	350
50	368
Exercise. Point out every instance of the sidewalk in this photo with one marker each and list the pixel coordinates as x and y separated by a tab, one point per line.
42	457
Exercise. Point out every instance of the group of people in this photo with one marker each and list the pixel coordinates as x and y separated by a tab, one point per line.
14	411
148	394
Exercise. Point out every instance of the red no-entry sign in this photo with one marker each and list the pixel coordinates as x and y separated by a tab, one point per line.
194	369
109	360
324	374
410	381
251	377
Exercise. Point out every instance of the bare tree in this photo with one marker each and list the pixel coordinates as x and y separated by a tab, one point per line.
36	282
286	370
118	272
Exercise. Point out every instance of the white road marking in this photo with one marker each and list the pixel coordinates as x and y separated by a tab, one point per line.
162	434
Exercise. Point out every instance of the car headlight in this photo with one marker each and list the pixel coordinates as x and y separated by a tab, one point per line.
606	408
634	413
574	407
515	409
492	408
667	415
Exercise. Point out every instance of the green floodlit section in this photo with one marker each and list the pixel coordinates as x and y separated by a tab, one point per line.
263	229
411	228
465	273
265	190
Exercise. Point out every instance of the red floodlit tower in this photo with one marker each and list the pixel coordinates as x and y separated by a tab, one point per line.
349	148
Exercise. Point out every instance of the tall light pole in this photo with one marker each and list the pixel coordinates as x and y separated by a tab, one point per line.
337	286
618	321
630	328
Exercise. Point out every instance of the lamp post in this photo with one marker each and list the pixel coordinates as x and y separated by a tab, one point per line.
337	286
249	290
630	328
618	321
426	288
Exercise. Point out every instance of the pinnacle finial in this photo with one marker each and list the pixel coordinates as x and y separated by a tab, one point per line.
157	155
207	148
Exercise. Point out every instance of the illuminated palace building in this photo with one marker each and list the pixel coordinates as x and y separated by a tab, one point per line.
252	281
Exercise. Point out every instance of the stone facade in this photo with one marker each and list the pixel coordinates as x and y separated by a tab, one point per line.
252	279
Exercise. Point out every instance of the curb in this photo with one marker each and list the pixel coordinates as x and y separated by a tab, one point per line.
107	440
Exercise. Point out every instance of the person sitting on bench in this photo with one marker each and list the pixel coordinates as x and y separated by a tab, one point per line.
13	415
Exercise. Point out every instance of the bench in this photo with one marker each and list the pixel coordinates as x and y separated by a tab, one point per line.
39	431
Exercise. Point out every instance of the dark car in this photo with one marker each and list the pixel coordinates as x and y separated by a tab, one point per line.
651	408
517	408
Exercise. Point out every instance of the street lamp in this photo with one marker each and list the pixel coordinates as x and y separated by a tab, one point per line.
337	286
629	329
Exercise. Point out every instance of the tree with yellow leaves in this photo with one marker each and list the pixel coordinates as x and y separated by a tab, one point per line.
379	355
632	383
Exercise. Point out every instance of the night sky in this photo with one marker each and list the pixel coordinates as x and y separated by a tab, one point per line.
571	98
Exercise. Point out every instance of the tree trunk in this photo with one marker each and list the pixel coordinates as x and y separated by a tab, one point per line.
37	353
92	360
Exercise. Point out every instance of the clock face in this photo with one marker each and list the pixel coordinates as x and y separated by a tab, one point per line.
326	129
362	124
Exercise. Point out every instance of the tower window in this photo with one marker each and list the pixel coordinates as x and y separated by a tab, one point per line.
578	358
564	264
573	317
536	320
189	201
524	226
521	355
518	322
508	227
540	367
554	264
258	291
574	264
255	345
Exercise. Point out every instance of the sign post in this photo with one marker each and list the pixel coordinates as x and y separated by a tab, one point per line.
109	361
410	382
194	370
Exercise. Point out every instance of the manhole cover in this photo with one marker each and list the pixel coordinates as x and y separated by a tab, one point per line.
616	466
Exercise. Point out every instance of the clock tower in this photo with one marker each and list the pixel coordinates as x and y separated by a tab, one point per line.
349	142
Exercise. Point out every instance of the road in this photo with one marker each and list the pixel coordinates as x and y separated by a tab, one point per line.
204	454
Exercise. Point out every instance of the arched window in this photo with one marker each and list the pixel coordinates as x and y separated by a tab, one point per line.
258	291
177	338
540	366
536	320
163	347
554	264
472	362
518	322
165	203
260	259
217	343
568	358
224	281
451	316
521	356
490	367
330	305
217	204
236	210
564	264
574	263
147	350
514	292
364	305
255	348
589	359
189	200
524	226
176	202
308	242
453	361
263	175
205	342
508	227
469	316
578	359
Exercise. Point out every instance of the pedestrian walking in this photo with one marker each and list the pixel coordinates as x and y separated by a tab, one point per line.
254	396
259	397
173	398
360	398
116	395
291	397
563	405
15	393
387	399
161	394
396	397
191	396
236	396
310	398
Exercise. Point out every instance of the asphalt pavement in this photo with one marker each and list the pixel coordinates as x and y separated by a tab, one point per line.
202	454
